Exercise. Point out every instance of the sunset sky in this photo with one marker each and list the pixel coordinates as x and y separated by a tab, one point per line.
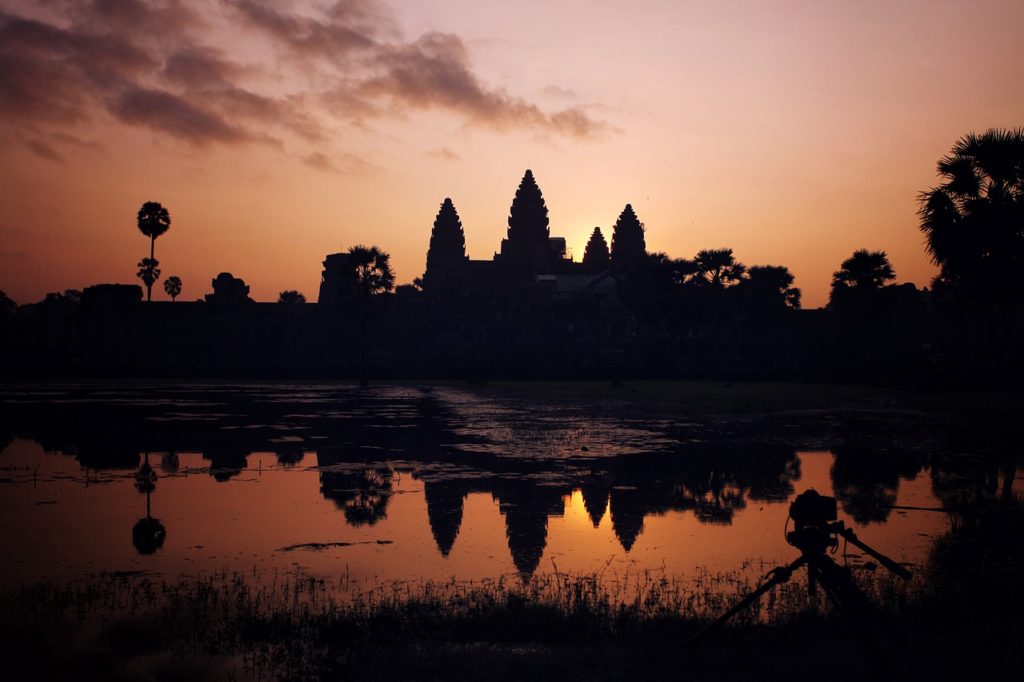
276	132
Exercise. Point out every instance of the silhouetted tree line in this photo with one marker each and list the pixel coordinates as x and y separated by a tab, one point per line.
621	311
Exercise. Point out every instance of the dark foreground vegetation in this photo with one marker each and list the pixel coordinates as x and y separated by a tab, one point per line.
959	619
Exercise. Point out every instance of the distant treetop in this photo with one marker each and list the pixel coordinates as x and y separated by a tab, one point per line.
864	270
291	297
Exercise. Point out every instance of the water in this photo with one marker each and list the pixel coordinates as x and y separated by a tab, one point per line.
441	483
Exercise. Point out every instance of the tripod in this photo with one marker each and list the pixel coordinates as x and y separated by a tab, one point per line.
817	530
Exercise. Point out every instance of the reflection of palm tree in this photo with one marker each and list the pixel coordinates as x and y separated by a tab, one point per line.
362	494
370	502
153	220
148	534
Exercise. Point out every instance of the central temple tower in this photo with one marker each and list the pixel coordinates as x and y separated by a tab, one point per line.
527	246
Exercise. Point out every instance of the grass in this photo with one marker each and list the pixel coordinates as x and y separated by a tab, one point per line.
297	626
959	619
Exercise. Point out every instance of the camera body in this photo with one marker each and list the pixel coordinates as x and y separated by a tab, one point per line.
814	519
813	509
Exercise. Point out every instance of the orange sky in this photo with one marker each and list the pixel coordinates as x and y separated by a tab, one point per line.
793	132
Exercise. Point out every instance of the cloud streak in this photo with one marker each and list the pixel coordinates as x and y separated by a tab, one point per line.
152	64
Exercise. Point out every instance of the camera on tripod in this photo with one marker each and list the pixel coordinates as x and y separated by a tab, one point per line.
813	509
815	527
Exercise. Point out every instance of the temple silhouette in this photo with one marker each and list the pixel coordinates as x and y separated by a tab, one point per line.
529	256
530	311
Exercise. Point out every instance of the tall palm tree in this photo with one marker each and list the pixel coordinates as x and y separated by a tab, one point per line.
153	220
172	285
974	220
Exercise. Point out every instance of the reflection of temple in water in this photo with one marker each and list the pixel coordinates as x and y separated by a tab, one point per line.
365	435
444	511
526	509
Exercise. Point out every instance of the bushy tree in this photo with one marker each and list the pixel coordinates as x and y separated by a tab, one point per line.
770	286
290	297
718	268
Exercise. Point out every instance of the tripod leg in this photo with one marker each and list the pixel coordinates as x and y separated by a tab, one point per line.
779	576
859	614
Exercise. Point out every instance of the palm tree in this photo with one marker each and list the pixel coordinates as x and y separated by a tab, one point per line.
149	272
290	297
864	270
172	285
153	220
372	271
718	267
857	284
370	275
974	220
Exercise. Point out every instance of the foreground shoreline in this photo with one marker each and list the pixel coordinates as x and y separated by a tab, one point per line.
961	620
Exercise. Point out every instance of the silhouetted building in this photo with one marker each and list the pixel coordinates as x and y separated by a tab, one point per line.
628	244
627	512
111	295
527	248
444	510
229	290
336	280
446	257
596	257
